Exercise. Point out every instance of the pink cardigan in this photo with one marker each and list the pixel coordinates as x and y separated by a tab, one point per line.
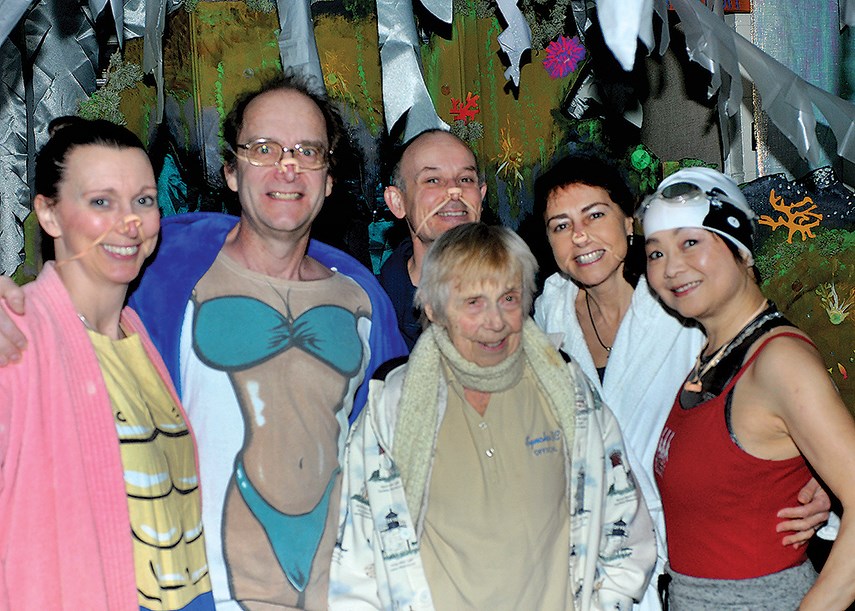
65	534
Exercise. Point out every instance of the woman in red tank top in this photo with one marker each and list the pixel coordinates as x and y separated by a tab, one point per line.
757	408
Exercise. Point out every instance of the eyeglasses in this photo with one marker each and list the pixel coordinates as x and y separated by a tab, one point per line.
686	191
682	193
264	152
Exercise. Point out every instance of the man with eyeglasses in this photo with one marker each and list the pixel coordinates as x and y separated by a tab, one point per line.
269	336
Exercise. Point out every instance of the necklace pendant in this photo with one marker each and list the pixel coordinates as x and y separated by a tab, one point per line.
85	322
693	385
608	349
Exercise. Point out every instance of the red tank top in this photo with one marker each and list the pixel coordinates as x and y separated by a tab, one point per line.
720	502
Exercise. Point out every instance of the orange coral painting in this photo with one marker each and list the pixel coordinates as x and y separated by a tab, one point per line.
800	217
805	254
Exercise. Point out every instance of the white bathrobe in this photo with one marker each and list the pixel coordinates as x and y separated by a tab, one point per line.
651	356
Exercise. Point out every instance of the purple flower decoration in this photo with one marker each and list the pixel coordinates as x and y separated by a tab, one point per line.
563	55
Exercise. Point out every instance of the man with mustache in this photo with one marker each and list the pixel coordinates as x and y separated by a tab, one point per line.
435	185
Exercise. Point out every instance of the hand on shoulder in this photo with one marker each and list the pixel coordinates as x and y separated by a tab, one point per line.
12	341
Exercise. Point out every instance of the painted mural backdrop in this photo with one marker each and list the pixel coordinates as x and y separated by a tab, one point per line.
807	260
215	50
231	46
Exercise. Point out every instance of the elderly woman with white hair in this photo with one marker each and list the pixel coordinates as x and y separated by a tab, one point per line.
486	473
755	415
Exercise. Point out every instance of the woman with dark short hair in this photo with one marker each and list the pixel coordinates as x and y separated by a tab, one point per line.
756	413
610	322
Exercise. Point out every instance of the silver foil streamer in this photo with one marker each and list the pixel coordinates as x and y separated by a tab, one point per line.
581	15
847	13
515	39
787	99
441	9
297	47
14	191
133	19
96	6
623	24
155	22
118	12
147	19
712	44
404	90
63	50
58	45
660	8
11	12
